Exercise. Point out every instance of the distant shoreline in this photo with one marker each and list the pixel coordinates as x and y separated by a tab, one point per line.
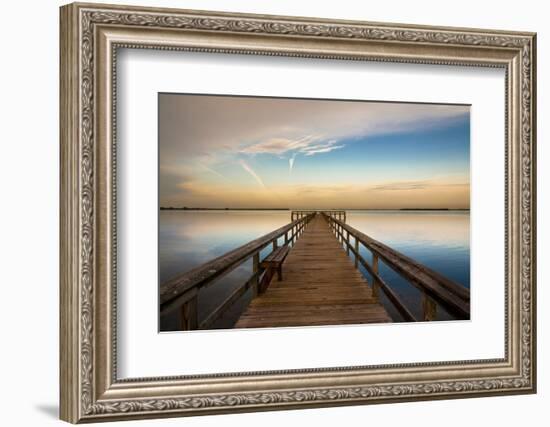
170	208
163	208
428	209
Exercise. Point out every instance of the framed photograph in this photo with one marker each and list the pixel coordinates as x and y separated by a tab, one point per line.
266	212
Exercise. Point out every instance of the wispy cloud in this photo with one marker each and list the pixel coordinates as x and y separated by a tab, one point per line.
308	145
324	147
253	173
291	163
402	186
415	185
269	146
279	145
214	172
326	189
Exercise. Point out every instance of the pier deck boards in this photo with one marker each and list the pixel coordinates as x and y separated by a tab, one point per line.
320	286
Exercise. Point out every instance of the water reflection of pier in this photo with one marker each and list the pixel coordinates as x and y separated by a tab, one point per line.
319	279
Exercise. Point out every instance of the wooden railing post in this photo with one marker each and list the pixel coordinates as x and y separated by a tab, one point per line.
286	238
356	252
375	284
275	244
429	308
347	241
189	315
256	273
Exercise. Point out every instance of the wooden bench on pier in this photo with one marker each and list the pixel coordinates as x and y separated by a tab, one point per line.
274	261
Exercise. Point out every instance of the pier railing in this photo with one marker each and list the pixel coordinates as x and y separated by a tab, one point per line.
181	292
337	214
436	289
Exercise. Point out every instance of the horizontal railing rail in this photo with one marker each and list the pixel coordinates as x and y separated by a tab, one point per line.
437	290
339	214
335	214
181	292
294	215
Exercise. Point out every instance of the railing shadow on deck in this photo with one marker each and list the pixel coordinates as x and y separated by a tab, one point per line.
436	289
181	292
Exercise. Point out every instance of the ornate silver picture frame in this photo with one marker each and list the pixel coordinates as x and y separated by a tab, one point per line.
91	35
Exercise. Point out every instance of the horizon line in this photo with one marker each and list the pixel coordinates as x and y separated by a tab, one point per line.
309	209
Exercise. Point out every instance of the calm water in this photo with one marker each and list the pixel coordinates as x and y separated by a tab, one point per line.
187	239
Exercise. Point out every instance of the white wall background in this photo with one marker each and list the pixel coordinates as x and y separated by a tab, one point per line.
29	171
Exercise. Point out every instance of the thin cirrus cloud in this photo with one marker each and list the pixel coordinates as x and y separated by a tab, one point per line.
400	186
291	161
214	172
252	173
416	185
325	147
309	146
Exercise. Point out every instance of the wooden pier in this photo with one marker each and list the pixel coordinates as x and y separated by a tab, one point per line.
320	286
319	280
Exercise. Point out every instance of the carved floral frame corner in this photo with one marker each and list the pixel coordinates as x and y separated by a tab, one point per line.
90	37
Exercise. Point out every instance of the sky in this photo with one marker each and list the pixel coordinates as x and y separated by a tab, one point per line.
259	152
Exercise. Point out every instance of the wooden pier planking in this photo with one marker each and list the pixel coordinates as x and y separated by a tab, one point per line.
320	286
